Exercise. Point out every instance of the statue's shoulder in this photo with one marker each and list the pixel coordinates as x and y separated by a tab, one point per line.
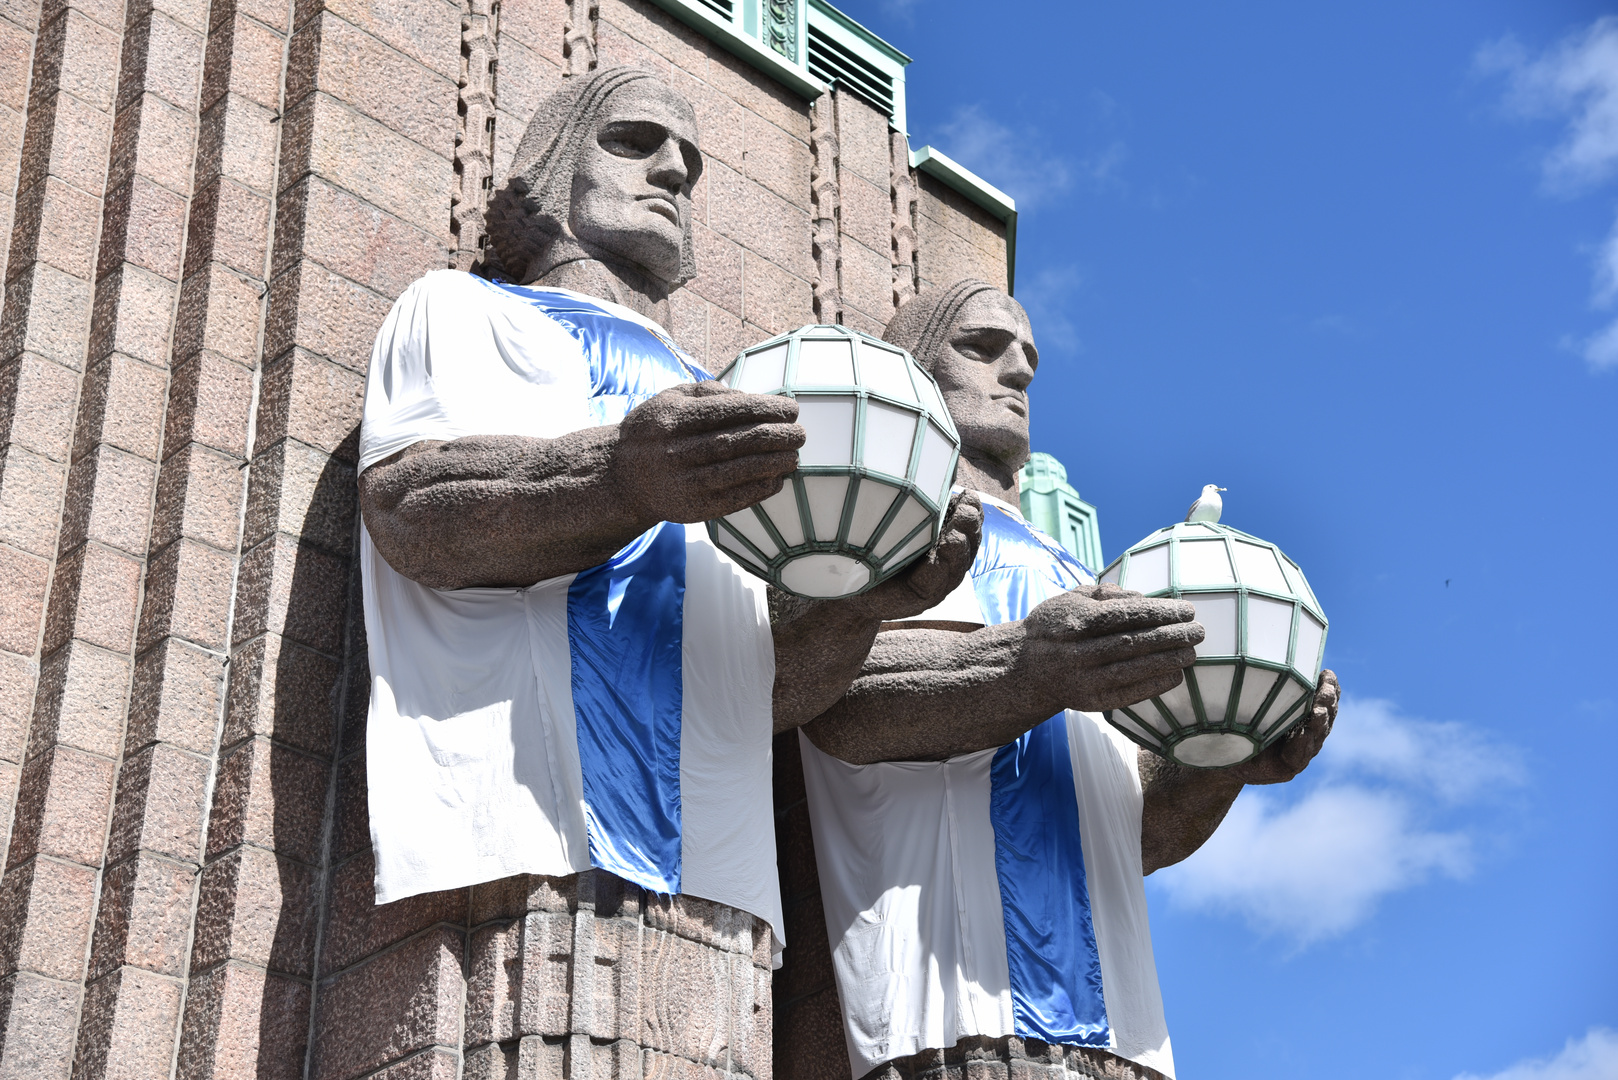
450	283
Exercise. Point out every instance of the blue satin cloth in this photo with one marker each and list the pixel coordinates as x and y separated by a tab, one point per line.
1051	953
629	361
625	622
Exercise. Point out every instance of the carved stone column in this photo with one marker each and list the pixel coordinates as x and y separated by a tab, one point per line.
826	242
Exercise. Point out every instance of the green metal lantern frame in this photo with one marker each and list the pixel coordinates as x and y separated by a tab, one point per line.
1154	723
883	555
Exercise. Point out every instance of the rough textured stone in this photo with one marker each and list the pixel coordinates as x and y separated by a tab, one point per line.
242	1021
260	908
144	919
401	1002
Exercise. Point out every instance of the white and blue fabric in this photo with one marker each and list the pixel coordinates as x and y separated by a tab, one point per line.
616	718
999	892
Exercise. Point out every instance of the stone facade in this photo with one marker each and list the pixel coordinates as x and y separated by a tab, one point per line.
210	208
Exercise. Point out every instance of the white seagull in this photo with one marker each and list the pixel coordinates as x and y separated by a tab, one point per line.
1208	505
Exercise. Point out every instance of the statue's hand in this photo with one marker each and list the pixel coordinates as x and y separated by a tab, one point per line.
702	450
925	582
1293	752
1101	647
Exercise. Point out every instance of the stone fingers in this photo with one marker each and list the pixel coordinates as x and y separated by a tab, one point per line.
710	447
1134	692
690	409
1144	668
1078	615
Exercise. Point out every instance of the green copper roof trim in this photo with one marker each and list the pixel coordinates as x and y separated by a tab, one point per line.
965	182
834	25
887	51
705	22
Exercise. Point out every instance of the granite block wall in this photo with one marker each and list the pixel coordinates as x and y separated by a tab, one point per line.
209	206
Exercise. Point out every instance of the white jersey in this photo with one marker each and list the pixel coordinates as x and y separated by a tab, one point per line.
615	718
998	892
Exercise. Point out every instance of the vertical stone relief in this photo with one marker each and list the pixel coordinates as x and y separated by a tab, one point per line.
474	141
903	189
826	244
781	27
579	37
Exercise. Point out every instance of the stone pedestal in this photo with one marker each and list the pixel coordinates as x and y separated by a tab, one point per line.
981	1058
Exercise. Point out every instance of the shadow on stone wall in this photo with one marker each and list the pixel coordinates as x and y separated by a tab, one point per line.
316	767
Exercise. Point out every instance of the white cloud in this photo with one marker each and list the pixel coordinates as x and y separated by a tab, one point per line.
1445	759
1576	80
1049	296
1594	1057
1579	76
1314	861
1014	161
1601	349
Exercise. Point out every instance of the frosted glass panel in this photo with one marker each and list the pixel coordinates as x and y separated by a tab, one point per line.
885	372
1148	570
762	372
1203	562
1217	614
871	502
1214	683
824	363
930	397
1122	720
1269	628
1299	585
782	510
933	474
911	514
1256	686
1179	705
748	524
1307	657
738	551
917	543
1147	713
890	432
825	496
1258	568
1111	576
830	424
1284	702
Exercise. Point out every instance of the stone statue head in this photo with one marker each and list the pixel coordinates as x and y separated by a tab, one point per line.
604	171
977	342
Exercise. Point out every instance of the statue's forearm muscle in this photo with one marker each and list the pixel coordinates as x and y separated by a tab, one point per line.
931	694
1182	808
498	510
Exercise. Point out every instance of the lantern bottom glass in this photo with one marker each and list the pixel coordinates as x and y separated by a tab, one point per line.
1214	749
825	575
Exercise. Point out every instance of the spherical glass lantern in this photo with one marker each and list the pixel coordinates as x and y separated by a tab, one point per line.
1255	673
873	478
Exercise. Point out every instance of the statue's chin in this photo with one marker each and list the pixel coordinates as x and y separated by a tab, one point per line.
652	248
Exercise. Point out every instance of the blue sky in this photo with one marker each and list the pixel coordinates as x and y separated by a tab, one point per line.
1355	263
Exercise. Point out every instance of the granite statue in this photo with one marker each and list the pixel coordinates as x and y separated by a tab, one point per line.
1031	917
567	676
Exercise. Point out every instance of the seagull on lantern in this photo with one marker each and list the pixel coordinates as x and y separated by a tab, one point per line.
1208	505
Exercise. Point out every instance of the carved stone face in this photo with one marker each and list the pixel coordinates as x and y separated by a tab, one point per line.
629	184
984	371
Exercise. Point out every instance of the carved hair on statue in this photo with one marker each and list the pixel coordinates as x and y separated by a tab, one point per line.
530	212
921	325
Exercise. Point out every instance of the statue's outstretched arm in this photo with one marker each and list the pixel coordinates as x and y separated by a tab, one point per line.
821	645
508	510
930	694
1184	806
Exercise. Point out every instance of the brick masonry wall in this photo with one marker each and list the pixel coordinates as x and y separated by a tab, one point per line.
210	206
